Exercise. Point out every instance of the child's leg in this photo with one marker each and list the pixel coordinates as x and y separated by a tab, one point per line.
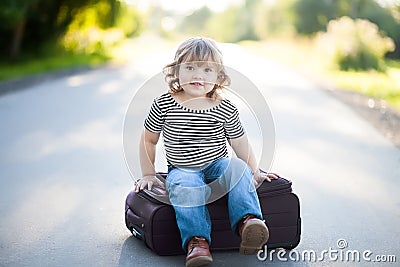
188	194
237	178
241	191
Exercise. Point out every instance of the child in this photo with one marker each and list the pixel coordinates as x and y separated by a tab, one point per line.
196	122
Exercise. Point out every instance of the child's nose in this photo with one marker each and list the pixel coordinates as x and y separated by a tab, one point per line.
198	74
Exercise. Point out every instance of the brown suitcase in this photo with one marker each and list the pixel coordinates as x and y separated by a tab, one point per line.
154	221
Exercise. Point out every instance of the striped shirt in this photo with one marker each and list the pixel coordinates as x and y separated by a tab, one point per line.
193	138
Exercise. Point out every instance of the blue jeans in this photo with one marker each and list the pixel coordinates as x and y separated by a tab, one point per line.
190	189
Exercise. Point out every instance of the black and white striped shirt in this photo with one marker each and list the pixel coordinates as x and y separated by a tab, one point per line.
193	138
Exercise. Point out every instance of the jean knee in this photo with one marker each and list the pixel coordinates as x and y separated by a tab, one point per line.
238	168
187	189
185	178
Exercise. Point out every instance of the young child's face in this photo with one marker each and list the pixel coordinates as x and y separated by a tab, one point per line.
197	78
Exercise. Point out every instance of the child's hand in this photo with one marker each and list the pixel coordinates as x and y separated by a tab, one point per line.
148	181
261	176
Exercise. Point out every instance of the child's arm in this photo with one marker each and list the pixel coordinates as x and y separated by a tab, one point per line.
244	151
147	153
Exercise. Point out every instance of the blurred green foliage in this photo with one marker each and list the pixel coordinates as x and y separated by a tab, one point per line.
35	28
356	44
234	24
79	26
94	28
194	23
274	20
312	16
262	20
130	20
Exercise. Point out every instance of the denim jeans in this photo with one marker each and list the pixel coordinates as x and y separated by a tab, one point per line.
190	189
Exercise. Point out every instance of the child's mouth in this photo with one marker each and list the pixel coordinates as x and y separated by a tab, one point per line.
197	83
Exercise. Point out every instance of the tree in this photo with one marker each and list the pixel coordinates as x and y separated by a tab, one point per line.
312	16
195	22
28	24
385	19
274	19
356	44
14	14
25	24
234	24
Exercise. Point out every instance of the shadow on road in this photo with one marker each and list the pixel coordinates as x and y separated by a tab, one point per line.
135	253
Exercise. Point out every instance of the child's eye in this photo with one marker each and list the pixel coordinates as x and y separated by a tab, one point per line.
209	70
189	67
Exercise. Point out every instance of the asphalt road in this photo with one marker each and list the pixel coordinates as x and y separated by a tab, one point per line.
64	179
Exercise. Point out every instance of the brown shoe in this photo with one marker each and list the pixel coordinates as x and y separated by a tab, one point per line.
254	234
198	252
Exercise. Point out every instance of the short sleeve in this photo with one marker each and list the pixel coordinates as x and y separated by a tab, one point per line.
233	126
155	119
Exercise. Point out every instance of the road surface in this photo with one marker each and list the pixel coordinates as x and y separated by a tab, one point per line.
64	178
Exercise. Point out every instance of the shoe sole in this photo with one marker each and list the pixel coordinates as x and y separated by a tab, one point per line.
254	236
199	261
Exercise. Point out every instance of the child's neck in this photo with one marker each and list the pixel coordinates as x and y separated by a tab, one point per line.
196	102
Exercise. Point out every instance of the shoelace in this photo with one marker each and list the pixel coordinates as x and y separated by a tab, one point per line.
195	242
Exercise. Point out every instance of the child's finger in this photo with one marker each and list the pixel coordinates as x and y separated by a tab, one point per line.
143	185
273	175
255	182
137	186
150	185
264	177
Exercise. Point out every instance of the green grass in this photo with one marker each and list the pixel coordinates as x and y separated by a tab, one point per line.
302	54
299	53
52	58
379	85
9	70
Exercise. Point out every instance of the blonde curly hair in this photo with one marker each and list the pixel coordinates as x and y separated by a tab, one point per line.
196	49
